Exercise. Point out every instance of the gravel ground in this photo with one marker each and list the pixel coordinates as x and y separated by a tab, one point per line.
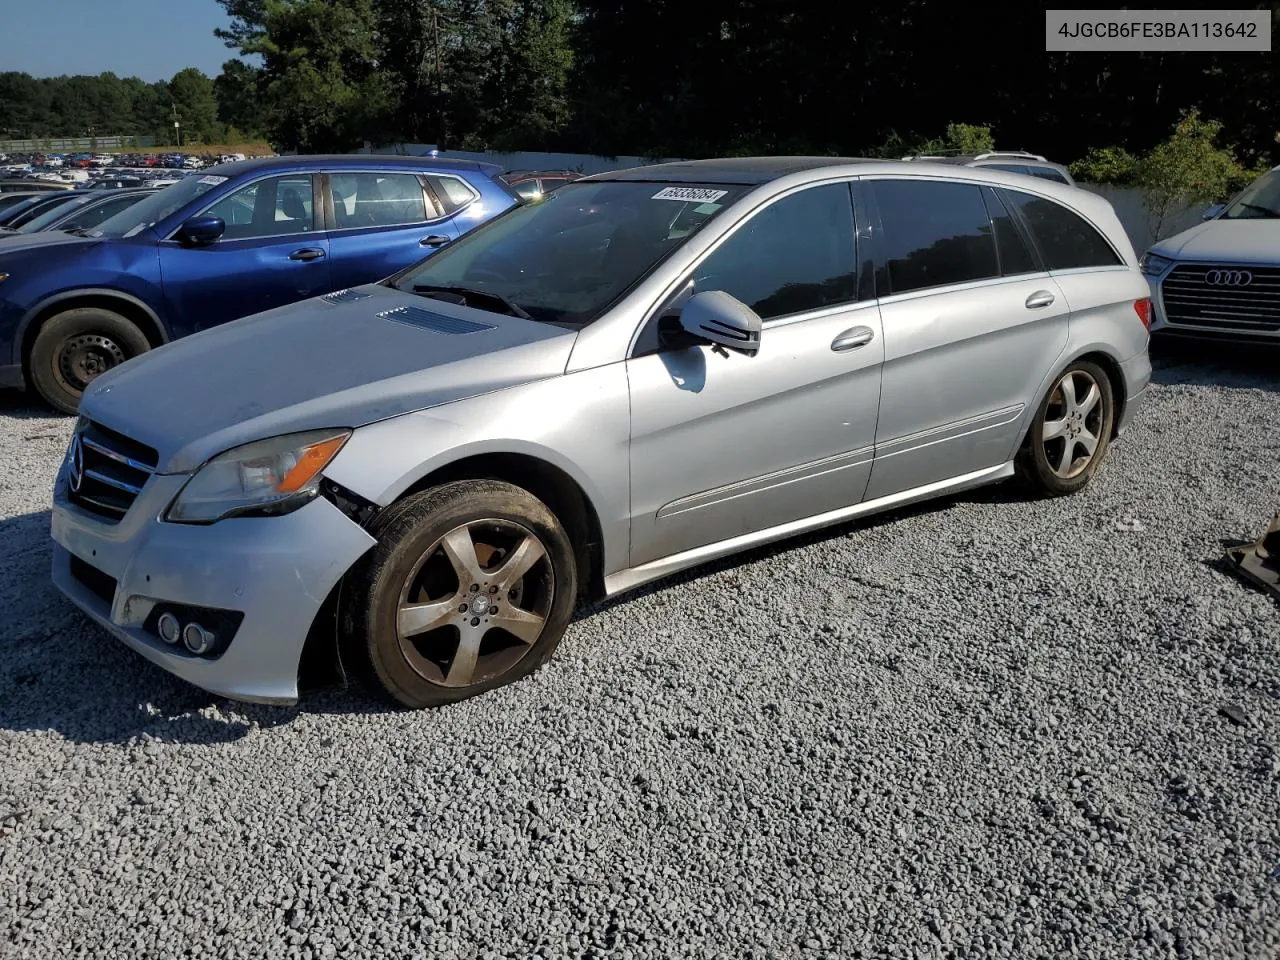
985	728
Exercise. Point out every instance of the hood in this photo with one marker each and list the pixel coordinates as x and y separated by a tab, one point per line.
20	242
334	361
1224	241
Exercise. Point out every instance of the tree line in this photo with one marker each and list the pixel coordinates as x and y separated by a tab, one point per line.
660	78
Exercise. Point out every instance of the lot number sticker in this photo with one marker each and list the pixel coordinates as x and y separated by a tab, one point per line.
213	180
690	194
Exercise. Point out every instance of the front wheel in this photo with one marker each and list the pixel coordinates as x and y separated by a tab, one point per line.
75	347
1070	433
470	587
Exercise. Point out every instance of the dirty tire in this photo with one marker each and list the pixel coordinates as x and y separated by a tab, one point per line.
412	571
74	347
1061	419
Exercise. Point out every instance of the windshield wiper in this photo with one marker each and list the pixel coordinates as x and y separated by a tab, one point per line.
466	295
85	232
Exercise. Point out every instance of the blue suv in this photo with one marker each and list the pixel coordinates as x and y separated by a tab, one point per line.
239	239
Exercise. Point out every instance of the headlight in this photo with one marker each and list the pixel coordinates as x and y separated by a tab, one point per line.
266	477
1153	264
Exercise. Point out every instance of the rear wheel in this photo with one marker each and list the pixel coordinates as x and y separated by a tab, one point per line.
470	587
75	347
1071	431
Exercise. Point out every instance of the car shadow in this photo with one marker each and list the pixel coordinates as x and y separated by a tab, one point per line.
61	672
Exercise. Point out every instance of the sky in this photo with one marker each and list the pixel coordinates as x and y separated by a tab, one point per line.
151	39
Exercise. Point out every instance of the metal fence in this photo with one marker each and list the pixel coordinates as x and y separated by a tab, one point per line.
75	144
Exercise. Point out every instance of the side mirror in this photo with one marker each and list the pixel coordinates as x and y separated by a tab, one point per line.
1213	211
202	231
721	320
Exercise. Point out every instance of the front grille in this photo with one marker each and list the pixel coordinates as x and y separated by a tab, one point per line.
113	470
94	580
1244	298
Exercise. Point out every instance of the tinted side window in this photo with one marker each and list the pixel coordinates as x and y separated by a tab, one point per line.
1065	239
275	207
1008	167
1047	173
376	199
934	233
795	255
1015	256
103	211
527	189
452	193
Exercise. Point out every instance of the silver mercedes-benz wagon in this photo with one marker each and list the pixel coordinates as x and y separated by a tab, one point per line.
635	374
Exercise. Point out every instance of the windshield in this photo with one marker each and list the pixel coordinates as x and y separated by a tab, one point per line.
149	212
55	212
34	210
1259	201
566	257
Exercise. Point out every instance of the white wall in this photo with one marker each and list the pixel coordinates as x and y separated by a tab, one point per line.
1128	205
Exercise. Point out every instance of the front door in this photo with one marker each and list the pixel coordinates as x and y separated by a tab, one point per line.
728	445
272	253
971	325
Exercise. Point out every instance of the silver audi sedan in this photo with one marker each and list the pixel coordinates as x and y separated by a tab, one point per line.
637	373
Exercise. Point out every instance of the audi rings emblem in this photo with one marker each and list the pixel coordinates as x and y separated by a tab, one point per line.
1228	278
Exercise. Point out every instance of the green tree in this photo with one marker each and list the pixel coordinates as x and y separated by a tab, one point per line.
24	106
192	97
239	95
1107	165
321	79
1188	168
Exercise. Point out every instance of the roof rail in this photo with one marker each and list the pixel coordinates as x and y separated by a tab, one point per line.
1010	153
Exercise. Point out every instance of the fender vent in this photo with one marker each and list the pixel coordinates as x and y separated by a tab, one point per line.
345	296
439	322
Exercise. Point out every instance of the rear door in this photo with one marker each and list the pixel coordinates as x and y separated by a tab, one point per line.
972	324
383	222
1090	272
273	252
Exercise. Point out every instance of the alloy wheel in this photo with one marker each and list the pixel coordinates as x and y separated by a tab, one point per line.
1073	423
475	603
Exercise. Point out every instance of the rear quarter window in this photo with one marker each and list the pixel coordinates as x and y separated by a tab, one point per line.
1066	240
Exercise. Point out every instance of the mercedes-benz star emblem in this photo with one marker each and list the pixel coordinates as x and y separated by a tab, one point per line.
1228	278
76	477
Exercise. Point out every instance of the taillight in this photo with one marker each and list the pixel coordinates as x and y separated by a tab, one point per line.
1143	309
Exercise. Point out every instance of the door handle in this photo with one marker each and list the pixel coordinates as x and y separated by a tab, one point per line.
852	338
307	253
435	240
1041	298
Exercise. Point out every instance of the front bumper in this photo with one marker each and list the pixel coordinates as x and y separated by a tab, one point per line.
1136	372
277	571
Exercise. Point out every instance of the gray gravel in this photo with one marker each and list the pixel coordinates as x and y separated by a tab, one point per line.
987	728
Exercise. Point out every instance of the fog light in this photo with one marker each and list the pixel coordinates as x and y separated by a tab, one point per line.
169	628
197	639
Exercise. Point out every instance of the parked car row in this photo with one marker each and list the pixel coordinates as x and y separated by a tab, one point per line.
237	239
440	452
